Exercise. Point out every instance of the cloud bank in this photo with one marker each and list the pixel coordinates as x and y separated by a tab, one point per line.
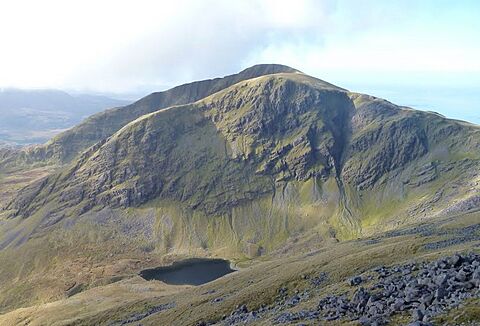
119	46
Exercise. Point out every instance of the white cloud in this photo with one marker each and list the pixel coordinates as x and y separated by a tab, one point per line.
122	45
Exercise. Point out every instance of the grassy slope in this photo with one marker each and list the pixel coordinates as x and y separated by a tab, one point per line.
255	284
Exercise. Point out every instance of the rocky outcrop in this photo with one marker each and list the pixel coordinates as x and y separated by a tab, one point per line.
421	290
424	290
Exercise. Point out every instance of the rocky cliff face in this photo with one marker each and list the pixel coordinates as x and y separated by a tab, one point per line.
386	138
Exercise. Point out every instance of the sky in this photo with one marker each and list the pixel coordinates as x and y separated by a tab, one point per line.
426	48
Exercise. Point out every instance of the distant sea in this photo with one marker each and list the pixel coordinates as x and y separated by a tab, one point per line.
455	103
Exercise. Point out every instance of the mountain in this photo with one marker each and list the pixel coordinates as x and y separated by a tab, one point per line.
261	165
